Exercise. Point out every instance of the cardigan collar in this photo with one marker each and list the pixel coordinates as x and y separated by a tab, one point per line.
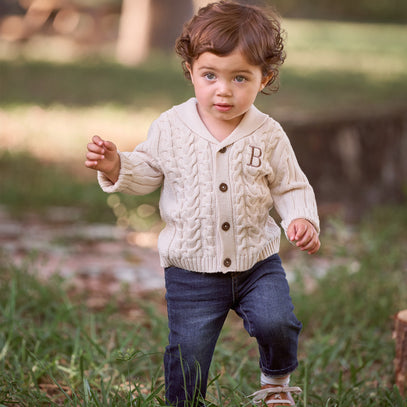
251	121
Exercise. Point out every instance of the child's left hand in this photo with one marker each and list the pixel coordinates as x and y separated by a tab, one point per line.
304	234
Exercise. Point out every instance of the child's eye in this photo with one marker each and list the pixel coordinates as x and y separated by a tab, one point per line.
240	79
210	76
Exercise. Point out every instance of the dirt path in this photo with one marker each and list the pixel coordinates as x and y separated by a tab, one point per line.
103	259
96	257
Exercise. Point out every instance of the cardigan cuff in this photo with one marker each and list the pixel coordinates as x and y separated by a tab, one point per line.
125	169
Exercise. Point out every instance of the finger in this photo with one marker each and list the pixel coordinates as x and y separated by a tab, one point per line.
94	156
308	245
109	145
315	248
291	231
301	230
95	148
305	239
97	140
91	164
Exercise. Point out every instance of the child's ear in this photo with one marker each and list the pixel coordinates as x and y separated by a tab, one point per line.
265	81
189	67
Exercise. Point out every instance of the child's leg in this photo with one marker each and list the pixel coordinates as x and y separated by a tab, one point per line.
267	310
197	308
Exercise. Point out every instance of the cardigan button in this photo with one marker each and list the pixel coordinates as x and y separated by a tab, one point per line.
227	262
223	187
223	150
226	226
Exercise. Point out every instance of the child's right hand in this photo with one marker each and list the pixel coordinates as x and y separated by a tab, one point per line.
102	156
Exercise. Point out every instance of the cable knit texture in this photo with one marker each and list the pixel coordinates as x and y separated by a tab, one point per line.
216	196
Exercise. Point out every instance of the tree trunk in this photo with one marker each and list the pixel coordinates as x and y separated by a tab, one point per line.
168	17
400	363
134	31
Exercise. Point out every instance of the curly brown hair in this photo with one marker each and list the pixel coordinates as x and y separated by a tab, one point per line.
223	26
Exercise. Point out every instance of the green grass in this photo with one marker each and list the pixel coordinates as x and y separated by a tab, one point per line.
349	319
301	89
89	83
30	186
48	343
347	62
54	350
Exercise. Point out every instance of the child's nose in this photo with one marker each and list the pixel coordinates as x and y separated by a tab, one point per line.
224	88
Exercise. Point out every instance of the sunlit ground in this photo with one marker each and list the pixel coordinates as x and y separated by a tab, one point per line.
376	50
60	133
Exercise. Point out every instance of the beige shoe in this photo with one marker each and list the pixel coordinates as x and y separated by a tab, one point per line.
275	396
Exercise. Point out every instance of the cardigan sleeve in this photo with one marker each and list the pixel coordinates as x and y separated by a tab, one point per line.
140	171
292	194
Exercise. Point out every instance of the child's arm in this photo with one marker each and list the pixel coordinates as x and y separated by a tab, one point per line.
304	234
102	156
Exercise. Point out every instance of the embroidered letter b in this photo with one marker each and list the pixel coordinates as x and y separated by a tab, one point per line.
255	157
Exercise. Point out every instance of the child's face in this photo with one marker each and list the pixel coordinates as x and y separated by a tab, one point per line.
225	87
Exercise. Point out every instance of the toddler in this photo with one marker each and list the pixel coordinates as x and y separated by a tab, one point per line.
222	165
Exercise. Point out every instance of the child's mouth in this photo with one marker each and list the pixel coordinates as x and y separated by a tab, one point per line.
223	107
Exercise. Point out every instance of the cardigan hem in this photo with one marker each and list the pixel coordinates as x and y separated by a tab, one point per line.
210	264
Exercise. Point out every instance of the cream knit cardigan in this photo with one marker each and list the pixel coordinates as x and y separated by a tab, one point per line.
216	196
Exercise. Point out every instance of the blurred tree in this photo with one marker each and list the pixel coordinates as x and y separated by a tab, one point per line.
148	24
168	17
133	40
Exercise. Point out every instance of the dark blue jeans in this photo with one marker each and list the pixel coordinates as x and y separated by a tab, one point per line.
198	304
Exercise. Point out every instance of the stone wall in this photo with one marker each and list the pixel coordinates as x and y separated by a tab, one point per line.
354	161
